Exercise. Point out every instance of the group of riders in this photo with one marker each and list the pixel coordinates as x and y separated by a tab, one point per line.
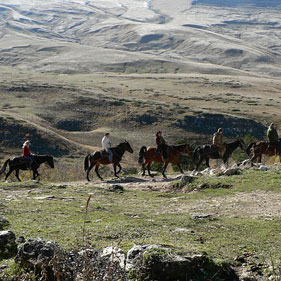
217	144
162	146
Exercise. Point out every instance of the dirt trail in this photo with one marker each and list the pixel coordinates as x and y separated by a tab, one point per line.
255	204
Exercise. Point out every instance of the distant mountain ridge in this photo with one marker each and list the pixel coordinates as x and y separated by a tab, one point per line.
89	36
236	3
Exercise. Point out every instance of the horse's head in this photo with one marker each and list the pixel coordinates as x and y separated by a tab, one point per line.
187	150
50	161
126	146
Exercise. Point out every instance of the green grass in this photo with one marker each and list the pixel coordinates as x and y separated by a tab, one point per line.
143	217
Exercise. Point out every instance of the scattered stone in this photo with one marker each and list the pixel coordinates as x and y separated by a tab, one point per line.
263	168
61	186
245	164
48	197
214	186
232	172
195	173
3	223
201	217
8	246
185	179
114	254
116	188
183	230
20	240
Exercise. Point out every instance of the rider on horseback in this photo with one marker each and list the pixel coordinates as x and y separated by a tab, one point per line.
27	155
218	143
162	146
106	145
273	139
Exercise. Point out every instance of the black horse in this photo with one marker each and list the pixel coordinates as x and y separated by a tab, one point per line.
207	151
19	163
101	158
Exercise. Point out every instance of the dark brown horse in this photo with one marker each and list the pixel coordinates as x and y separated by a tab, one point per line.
257	149
207	151
149	155
99	158
19	163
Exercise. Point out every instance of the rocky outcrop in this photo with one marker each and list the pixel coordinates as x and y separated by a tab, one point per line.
8	246
158	263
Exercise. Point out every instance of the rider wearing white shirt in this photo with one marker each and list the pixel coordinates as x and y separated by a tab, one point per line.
106	145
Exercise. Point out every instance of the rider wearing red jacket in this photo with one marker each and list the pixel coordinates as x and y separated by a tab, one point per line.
27	154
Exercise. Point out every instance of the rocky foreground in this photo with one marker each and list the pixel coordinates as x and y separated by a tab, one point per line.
48	261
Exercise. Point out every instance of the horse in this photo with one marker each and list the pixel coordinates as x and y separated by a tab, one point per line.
19	163
149	155
207	151
99	158
259	148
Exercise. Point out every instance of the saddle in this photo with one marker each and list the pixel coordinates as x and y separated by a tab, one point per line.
104	154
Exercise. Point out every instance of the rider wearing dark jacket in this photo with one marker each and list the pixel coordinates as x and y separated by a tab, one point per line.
161	145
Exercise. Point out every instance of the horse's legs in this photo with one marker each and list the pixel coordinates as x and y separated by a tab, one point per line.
145	164
97	172
89	169
181	170
148	169
199	162
7	175
17	174
164	169
143	169
114	167
207	162
35	174
120	168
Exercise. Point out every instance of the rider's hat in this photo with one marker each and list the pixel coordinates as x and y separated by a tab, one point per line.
219	129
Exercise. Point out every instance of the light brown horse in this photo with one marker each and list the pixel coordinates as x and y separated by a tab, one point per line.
259	148
101	158
149	155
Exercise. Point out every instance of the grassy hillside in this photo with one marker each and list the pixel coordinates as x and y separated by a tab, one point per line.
74	111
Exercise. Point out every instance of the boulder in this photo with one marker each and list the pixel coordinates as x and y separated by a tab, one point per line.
35	251
159	263
8	246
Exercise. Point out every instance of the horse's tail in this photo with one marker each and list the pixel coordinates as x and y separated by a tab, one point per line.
3	169
248	149
86	163
141	154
